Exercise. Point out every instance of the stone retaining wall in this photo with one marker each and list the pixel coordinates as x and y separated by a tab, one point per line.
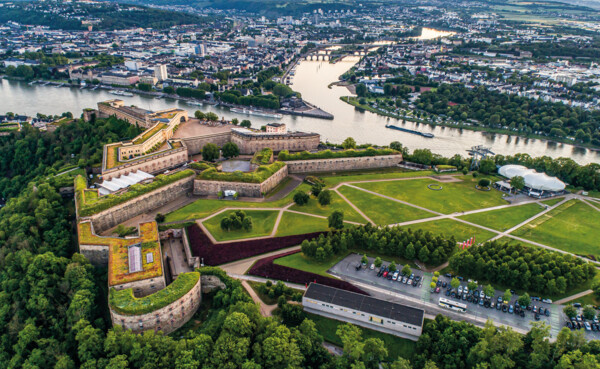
212	188
118	214
195	144
167	319
343	164
151	164
249	144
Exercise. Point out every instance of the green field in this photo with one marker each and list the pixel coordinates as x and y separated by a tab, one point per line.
337	203
380	210
450	227
301	262
572	227
454	197
503	219
204	207
293	223
396	346
331	181
263	222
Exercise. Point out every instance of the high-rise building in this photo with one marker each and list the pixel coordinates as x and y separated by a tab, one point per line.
160	72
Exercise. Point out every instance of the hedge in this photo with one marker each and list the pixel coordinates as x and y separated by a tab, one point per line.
263	157
108	201
328	154
259	175
200	166
212	254
124	302
267	269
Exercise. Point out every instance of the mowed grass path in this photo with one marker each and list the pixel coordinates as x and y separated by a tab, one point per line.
572	227
382	211
331	181
451	227
302	262
293	223
454	197
503	219
337	203
263	222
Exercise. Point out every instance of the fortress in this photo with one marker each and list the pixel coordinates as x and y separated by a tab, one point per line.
145	292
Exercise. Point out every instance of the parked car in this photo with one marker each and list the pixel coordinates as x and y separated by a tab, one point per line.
466	289
418	278
541	310
481	302
510	309
481	294
492	305
448	292
404	279
395	276
448	275
444	284
547	301
587	326
359	266
577	305
437	290
569	325
499	299
504	308
499	306
522	314
385	274
415	283
537	316
535	309
460	290
372	266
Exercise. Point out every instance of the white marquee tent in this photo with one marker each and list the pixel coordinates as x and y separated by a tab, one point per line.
534	180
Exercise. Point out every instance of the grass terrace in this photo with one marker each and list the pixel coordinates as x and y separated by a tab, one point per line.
126	303
389	173
380	210
450	227
87	208
263	157
503	219
263	222
259	175
454	196
572	227
149	133
337	203
328	154
293	223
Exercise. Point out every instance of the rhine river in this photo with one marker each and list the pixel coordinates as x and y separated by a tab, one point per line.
311	80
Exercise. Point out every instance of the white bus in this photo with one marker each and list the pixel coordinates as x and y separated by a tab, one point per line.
452	305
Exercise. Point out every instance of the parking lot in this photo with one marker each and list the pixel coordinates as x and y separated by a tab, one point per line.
347	269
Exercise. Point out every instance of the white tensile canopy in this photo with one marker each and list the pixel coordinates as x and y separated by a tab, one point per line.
533	179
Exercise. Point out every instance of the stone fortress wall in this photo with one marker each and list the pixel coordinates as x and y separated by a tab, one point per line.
166	319
207	188
249	143
144	287
343	164
151	164
118	109
118	214
195	144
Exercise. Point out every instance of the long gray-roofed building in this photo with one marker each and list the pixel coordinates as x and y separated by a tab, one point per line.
365	311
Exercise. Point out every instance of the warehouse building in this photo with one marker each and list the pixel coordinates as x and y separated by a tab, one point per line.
365	311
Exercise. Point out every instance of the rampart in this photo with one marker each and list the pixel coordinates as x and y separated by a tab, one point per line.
118	214
250	142
167	319
343	164
208	187
151	164
195	144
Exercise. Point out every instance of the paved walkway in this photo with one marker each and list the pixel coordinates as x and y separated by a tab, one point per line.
573	297
265	310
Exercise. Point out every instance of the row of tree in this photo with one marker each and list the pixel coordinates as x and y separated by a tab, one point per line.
520	267
392	241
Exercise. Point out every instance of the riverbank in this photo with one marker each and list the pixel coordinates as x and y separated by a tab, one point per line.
351	100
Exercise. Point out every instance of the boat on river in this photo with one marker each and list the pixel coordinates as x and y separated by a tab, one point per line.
259	113
120	93
414	132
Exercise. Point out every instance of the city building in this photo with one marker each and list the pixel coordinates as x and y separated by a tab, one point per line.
160	72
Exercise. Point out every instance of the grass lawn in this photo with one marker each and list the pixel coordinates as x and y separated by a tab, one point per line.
205	207
450	227
337	203
263	297
503	219
589	299
553	201
293	223
381	210
263	222
396	346
333	180
512	241
454	197
301	262
572	227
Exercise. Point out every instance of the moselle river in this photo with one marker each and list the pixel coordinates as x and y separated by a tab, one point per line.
311	79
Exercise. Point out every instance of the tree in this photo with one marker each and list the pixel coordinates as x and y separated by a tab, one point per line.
507	296
210	152
455	283
199	115
392	267
570	311
364	259
324	197
472	285
123	231
374	352
524	300
406	270
301	198
336	220
316	189
484	182
487	166
159	218
235	121
212	116
378	262
361	90
230	150
349	143
517	183
432	285
489	290
589	312
246	123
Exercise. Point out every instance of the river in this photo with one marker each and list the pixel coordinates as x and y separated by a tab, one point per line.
311	79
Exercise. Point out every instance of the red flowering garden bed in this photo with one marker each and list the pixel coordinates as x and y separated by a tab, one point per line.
216	254
266	268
